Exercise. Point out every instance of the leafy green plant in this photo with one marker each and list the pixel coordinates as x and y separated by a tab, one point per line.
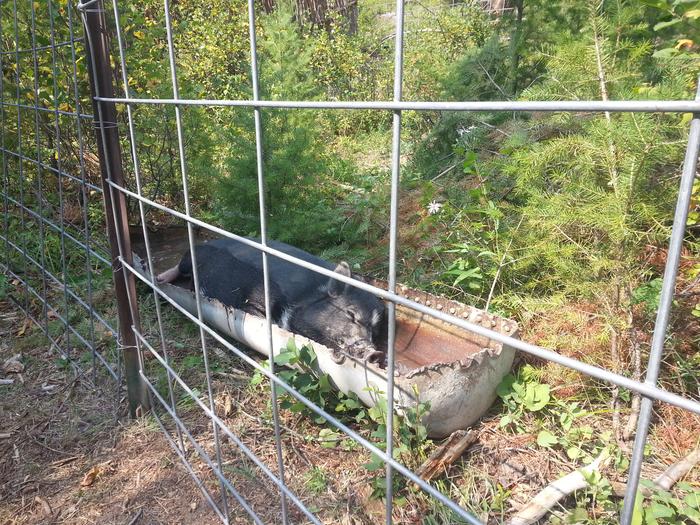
522	394
301	372
648	294
4	286
410	439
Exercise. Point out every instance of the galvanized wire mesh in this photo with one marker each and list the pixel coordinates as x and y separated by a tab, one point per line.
55	253
45	290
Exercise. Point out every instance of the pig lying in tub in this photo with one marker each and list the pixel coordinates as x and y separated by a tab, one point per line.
343	318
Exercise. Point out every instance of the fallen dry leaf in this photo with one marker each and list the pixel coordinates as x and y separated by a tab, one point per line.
228	405
13	365
91	476
45	507
24	327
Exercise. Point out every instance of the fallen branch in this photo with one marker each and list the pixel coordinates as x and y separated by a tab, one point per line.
543	502
668	478
447	453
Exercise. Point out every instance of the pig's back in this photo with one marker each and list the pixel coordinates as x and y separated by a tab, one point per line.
295	282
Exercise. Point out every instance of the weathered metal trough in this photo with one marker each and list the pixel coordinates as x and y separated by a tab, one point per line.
454	370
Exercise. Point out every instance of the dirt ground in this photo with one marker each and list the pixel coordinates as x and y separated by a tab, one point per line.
67	453
70	454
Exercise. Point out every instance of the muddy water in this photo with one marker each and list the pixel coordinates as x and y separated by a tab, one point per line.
420	339
167	245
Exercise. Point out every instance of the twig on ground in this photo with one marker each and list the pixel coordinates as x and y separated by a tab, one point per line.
543	502
136	518
447	453
669	477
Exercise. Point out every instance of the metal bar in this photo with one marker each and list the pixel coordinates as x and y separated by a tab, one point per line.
5	176
593	106
83	180
259	162
20	171
537	351
42	48
49	110
142	215
673	257
48	167
57	153
312	406
39	180
99	69
190	234
393	242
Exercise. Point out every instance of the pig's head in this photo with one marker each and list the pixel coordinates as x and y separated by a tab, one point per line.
343	317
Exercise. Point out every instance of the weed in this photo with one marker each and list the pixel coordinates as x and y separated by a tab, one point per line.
316	481
4	286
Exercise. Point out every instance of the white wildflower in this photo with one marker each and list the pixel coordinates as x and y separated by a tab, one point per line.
434	207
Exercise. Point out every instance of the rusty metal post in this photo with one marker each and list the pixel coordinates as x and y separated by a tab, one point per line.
109	151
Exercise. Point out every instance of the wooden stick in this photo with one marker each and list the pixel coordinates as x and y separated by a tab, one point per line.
556	491
669	477
447	453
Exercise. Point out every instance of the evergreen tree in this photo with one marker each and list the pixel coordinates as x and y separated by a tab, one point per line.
293	158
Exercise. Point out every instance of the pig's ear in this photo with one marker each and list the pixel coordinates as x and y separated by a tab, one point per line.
336	288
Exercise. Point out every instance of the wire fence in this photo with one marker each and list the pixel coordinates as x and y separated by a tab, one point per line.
55	250
50	163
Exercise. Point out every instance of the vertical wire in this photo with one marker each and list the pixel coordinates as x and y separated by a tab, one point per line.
146	240
5	179
665	303
39	184
190	236
393	234
59	176
20	172
83	189
263	240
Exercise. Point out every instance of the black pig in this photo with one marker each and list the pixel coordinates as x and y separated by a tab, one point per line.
323	309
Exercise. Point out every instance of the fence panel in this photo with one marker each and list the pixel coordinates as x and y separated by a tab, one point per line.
56	257
37	152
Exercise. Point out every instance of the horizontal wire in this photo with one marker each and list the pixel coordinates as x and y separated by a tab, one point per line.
645	106
644	389
54	278
86	116
43	48
52	169
34	214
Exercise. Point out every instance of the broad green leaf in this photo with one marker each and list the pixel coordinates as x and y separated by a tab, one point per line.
638	512
546	439
505	387
659	510
574	452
